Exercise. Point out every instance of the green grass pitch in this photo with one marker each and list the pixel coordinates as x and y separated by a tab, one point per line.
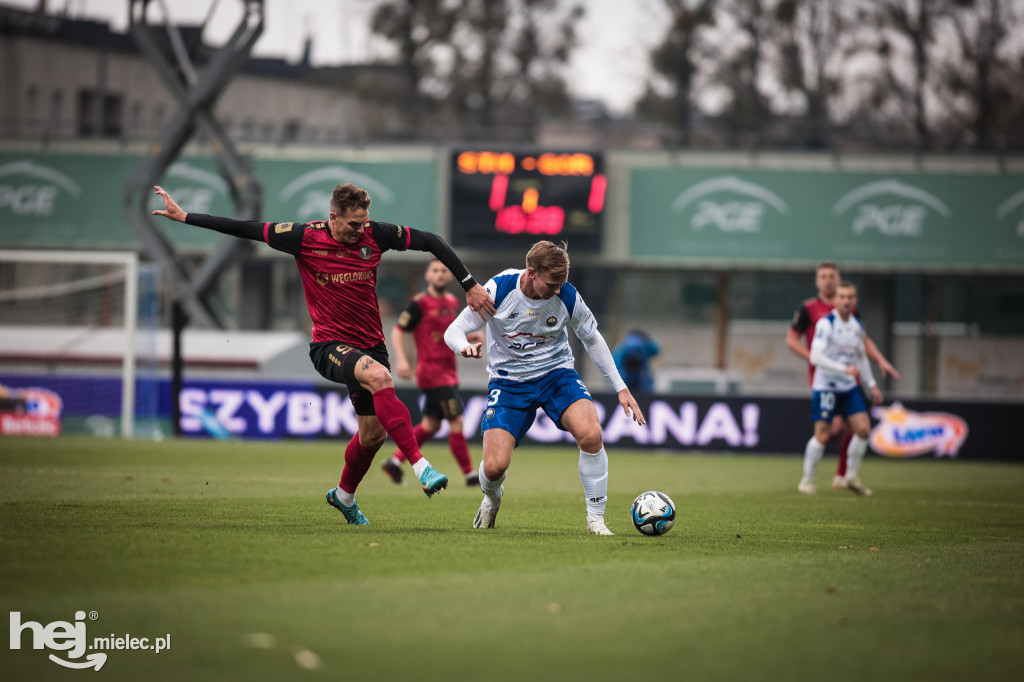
230	549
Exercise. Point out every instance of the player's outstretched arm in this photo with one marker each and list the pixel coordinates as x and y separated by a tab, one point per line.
246	229
630	407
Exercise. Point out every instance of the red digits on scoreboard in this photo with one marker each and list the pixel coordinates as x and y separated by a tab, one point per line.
542	220
598	186
531	217
499	188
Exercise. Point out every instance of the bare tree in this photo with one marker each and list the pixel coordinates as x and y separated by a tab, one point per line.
913	21
739	65
810	38
491	68
421	30
983	77
675	60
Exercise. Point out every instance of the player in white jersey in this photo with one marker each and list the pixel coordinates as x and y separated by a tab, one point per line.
837	352
531	365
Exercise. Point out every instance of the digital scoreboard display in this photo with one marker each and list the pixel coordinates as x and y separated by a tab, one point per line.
509	200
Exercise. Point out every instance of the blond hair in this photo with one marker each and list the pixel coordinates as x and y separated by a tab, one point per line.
547	257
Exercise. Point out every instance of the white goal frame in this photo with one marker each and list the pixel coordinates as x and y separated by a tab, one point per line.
130	261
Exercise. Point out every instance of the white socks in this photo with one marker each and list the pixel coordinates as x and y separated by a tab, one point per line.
492	489
419	466
347	499
594	475
855	455
812	455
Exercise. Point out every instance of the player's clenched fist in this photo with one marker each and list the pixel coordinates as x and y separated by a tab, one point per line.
473	350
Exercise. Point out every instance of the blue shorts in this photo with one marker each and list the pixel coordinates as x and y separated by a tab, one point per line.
827	404
512	405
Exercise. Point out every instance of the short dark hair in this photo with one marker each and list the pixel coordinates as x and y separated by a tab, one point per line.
827	264
347	197
847	284
547	257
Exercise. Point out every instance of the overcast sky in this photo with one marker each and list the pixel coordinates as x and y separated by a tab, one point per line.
610	65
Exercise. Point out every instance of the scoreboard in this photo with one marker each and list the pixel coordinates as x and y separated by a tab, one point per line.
507	200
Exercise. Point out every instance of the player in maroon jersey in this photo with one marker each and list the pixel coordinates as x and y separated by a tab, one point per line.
427	317
337	260
804	320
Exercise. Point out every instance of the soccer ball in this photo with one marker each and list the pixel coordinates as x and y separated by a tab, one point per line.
653	513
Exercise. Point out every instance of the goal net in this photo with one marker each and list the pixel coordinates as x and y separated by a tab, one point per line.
78	344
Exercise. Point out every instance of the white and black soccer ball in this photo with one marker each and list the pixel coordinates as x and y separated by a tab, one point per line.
653	513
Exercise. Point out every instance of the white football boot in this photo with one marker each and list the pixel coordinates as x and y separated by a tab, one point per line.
595	526
854	484
488	511
807	487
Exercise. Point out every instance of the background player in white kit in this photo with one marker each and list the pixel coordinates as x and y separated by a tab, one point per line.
837	352
531	365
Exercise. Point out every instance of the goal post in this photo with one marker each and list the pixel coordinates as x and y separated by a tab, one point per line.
74	315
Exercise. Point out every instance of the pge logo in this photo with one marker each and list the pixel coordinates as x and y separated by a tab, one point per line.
890	218
194	188
59	636
313	190
35	192
1010	208
737	214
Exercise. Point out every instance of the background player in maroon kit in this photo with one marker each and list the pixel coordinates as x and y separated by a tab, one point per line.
427	317
337	260
804	320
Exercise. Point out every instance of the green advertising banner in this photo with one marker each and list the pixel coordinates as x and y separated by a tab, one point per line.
75	201
740	217
404	193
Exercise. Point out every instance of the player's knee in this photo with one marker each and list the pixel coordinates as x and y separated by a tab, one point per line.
493	471
590	440
376	377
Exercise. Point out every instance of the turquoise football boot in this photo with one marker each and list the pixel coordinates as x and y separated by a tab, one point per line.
433	481
352	514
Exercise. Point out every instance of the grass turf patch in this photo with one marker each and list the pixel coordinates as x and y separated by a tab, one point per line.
230	549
